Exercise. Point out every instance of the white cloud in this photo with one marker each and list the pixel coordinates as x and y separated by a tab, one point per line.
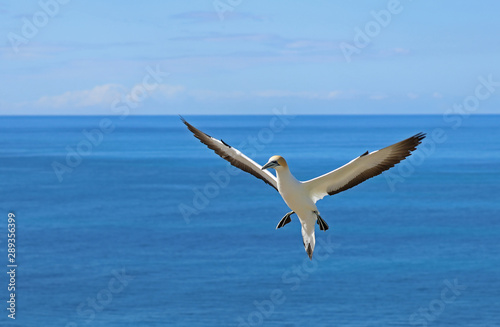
311	44
395	52
274	94
169	91
106	94
212	95
99	95
412	95
301	94
213	16
378	97
401	51
334	94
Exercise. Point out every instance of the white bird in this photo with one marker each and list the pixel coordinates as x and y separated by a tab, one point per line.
301	197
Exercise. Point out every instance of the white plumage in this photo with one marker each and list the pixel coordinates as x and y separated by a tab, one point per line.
301	197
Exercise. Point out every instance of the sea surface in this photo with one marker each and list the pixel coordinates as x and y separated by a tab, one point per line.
134	222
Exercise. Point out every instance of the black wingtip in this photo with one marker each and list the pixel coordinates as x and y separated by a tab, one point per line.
189	126
419	136
309	251
193	129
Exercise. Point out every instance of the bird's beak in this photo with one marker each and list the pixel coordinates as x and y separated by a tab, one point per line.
269	165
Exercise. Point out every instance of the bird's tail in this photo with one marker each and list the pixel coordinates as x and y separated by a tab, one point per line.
309	242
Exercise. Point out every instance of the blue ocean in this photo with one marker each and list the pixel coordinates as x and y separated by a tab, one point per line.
131	221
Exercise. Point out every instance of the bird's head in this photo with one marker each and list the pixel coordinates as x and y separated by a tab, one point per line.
275	162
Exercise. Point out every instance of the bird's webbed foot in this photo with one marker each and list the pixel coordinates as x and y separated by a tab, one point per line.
322	224
285	220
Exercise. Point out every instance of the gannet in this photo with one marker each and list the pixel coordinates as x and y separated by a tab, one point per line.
301	197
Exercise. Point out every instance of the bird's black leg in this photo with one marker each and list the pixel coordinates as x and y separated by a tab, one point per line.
285	220
322	224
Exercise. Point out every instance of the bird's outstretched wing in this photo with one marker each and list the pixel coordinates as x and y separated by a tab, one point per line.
234	156
362	168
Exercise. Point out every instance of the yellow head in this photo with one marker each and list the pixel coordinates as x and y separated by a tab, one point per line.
274	162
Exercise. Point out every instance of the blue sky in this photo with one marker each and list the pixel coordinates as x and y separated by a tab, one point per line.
247	57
